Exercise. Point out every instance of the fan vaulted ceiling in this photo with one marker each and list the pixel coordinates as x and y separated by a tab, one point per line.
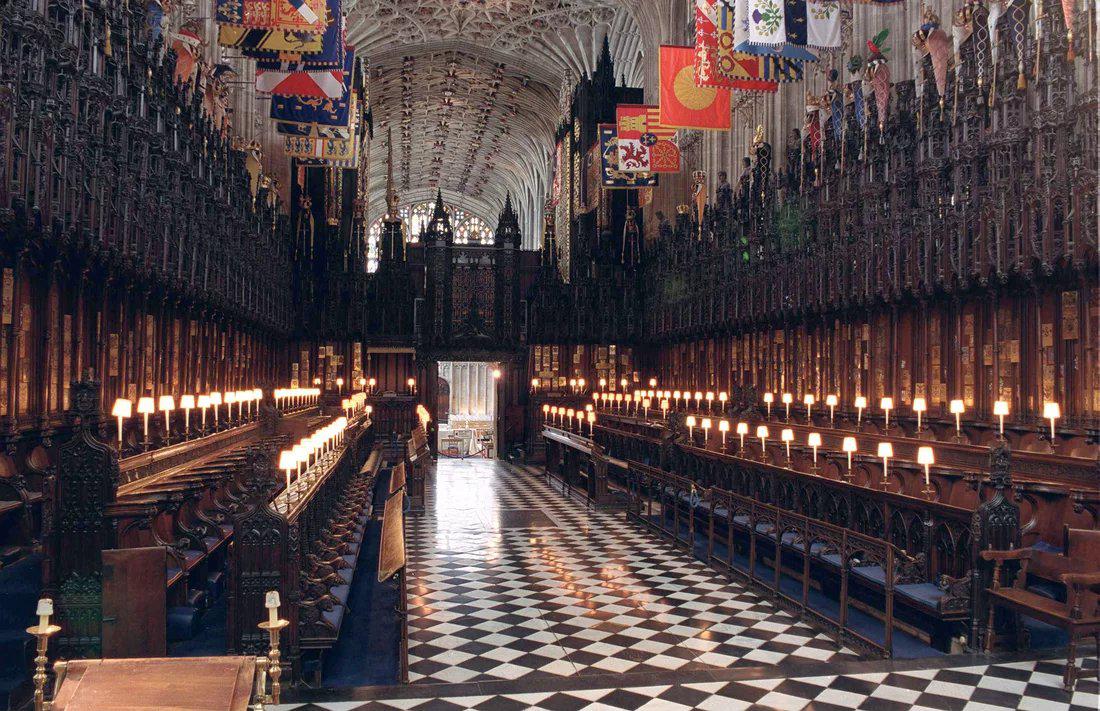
470	90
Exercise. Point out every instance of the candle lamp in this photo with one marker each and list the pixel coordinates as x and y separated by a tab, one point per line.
861	403
957	408
722	399
787	436
769	398
591	424
545	412
787	400
603	383
676	397
121	410
809	401
698	399
628	401
204	405
887	404
814	440
1000	409
664	409
42	632
691	427
573	385
920	406
166	404
623	383
146	408
554	413
1052	411
288	463
762	434
706	430
619	402
497	374
273	626
653	382
569	417
411	383
187	404
710	401
831	401
926	457
724	427
742	430
849	446
581	384
371	382
885	452
216	401
339	385
645	407
230	398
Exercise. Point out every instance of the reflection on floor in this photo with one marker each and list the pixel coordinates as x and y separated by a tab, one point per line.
520	598
507	579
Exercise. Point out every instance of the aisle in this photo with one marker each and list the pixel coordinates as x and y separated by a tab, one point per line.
509	580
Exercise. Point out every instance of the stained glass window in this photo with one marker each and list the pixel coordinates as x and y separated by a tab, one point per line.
468	228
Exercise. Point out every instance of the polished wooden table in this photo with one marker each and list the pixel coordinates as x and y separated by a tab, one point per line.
161	684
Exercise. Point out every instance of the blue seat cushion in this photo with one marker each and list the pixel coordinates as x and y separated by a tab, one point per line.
183	623
924	594
832	558
1047	548
789	538
874	573
765	528
741	520
341	592
1046	588
334	616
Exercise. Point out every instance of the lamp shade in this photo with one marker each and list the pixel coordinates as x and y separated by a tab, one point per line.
885	450
215	398
769	397
591	417
691	420
122	408
861	402
920	405
706	423
787	435
809	399
788	398
742	428
957	407
187	402
204	401
762	431
925	455
167	403
1051	411
887	403
814	439
831	400
849	444
1000	408
230	397
287	460
723	426
145	406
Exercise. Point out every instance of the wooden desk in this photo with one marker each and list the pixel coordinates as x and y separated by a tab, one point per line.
176	684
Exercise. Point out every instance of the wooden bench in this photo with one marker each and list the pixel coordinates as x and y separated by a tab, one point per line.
1077	569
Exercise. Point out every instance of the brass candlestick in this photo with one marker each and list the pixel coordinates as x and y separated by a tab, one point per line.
274	669
43	631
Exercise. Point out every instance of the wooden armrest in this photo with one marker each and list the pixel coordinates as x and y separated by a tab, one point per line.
1016	554
1081	580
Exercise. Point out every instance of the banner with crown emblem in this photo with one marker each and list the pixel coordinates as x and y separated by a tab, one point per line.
306	15
645	146
330	56
613	177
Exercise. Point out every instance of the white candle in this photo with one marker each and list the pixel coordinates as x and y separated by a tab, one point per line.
271	602
45	609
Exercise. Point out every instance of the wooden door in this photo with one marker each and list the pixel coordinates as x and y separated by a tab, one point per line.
134	606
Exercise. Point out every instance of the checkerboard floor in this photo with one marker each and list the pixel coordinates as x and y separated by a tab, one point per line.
1028	686
510	580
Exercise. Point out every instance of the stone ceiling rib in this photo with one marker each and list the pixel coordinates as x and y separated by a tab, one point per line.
470	89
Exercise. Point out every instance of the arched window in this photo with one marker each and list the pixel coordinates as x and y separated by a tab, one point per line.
468	228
